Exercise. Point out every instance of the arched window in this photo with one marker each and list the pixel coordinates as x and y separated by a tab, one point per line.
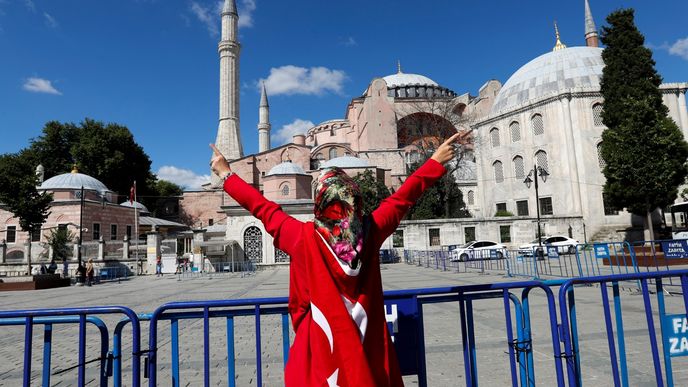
494	137
498	171
597	114
541	160
253	244
600	160
470	198
538	125
285	190
333	153
515	129
519	169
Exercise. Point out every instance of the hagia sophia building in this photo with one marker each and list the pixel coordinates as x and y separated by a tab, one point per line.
547	114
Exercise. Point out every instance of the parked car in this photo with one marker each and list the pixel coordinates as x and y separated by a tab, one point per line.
477	250
564	245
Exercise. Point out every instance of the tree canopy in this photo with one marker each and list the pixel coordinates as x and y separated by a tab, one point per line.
643	149
107	152
443	200
373	190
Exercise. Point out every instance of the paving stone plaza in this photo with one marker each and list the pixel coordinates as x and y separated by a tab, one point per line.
444	355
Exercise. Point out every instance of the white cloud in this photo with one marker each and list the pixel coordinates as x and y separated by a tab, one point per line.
285	133
300	80
40	85
210	16
350	42
30	5
183	177
50	21
680	48
246	13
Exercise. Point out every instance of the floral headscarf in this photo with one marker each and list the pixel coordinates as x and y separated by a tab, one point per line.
338	215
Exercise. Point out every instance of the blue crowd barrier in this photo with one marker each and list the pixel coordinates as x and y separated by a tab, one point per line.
80	316
405	314
617	350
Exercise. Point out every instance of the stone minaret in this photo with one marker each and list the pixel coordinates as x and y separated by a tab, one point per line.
590	29
228	135
264	122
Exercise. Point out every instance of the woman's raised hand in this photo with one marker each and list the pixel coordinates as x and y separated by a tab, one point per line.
447	150
218	163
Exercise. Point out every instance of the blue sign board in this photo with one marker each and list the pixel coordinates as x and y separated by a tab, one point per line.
675	332
675	249
552	251
601	251
402	319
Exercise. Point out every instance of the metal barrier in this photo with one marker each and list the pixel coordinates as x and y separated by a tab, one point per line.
405	314
80	316
618	361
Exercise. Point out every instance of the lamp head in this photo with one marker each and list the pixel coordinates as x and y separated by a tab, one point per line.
543	174
528	181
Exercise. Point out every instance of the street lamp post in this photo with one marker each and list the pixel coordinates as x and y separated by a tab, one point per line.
80	271
542	172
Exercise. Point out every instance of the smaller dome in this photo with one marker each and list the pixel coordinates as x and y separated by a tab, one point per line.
135	204
73	180
403	79
285	168
346	162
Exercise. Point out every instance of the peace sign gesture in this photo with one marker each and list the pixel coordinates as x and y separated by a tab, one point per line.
218	163
446	151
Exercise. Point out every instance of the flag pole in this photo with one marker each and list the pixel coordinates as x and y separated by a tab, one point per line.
136	231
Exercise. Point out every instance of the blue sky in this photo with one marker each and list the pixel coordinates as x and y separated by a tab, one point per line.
152	65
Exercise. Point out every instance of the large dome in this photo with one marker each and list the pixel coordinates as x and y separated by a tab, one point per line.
73	180
577	68
285	168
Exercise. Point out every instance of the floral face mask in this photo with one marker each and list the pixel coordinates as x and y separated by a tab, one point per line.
338	216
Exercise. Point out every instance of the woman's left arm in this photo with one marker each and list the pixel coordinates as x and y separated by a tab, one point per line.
392	210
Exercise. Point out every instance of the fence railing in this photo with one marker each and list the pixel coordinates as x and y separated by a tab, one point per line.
557	340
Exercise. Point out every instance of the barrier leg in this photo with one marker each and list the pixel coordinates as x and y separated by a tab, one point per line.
231	370
174	335
285	338
82	350
620	337
662	313
466	346
610	333
47	348
28	337
471	338
259	365
206	347
510	338
651	331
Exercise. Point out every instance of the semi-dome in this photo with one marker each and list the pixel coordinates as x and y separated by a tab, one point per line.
286	168
346	162
73	180
550	74
135	204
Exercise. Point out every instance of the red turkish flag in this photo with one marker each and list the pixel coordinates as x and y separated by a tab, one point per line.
132	193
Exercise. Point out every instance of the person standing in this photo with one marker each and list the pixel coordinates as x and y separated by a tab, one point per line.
65	268
335	286
158	266
89	272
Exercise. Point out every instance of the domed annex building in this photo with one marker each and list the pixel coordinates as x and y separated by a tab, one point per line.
106	225
548	113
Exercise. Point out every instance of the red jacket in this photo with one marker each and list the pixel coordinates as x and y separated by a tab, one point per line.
337	313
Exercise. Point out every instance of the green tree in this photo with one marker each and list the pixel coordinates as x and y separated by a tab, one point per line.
58	238
373	190
643	149
443	200
108	152
166	194
19	195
